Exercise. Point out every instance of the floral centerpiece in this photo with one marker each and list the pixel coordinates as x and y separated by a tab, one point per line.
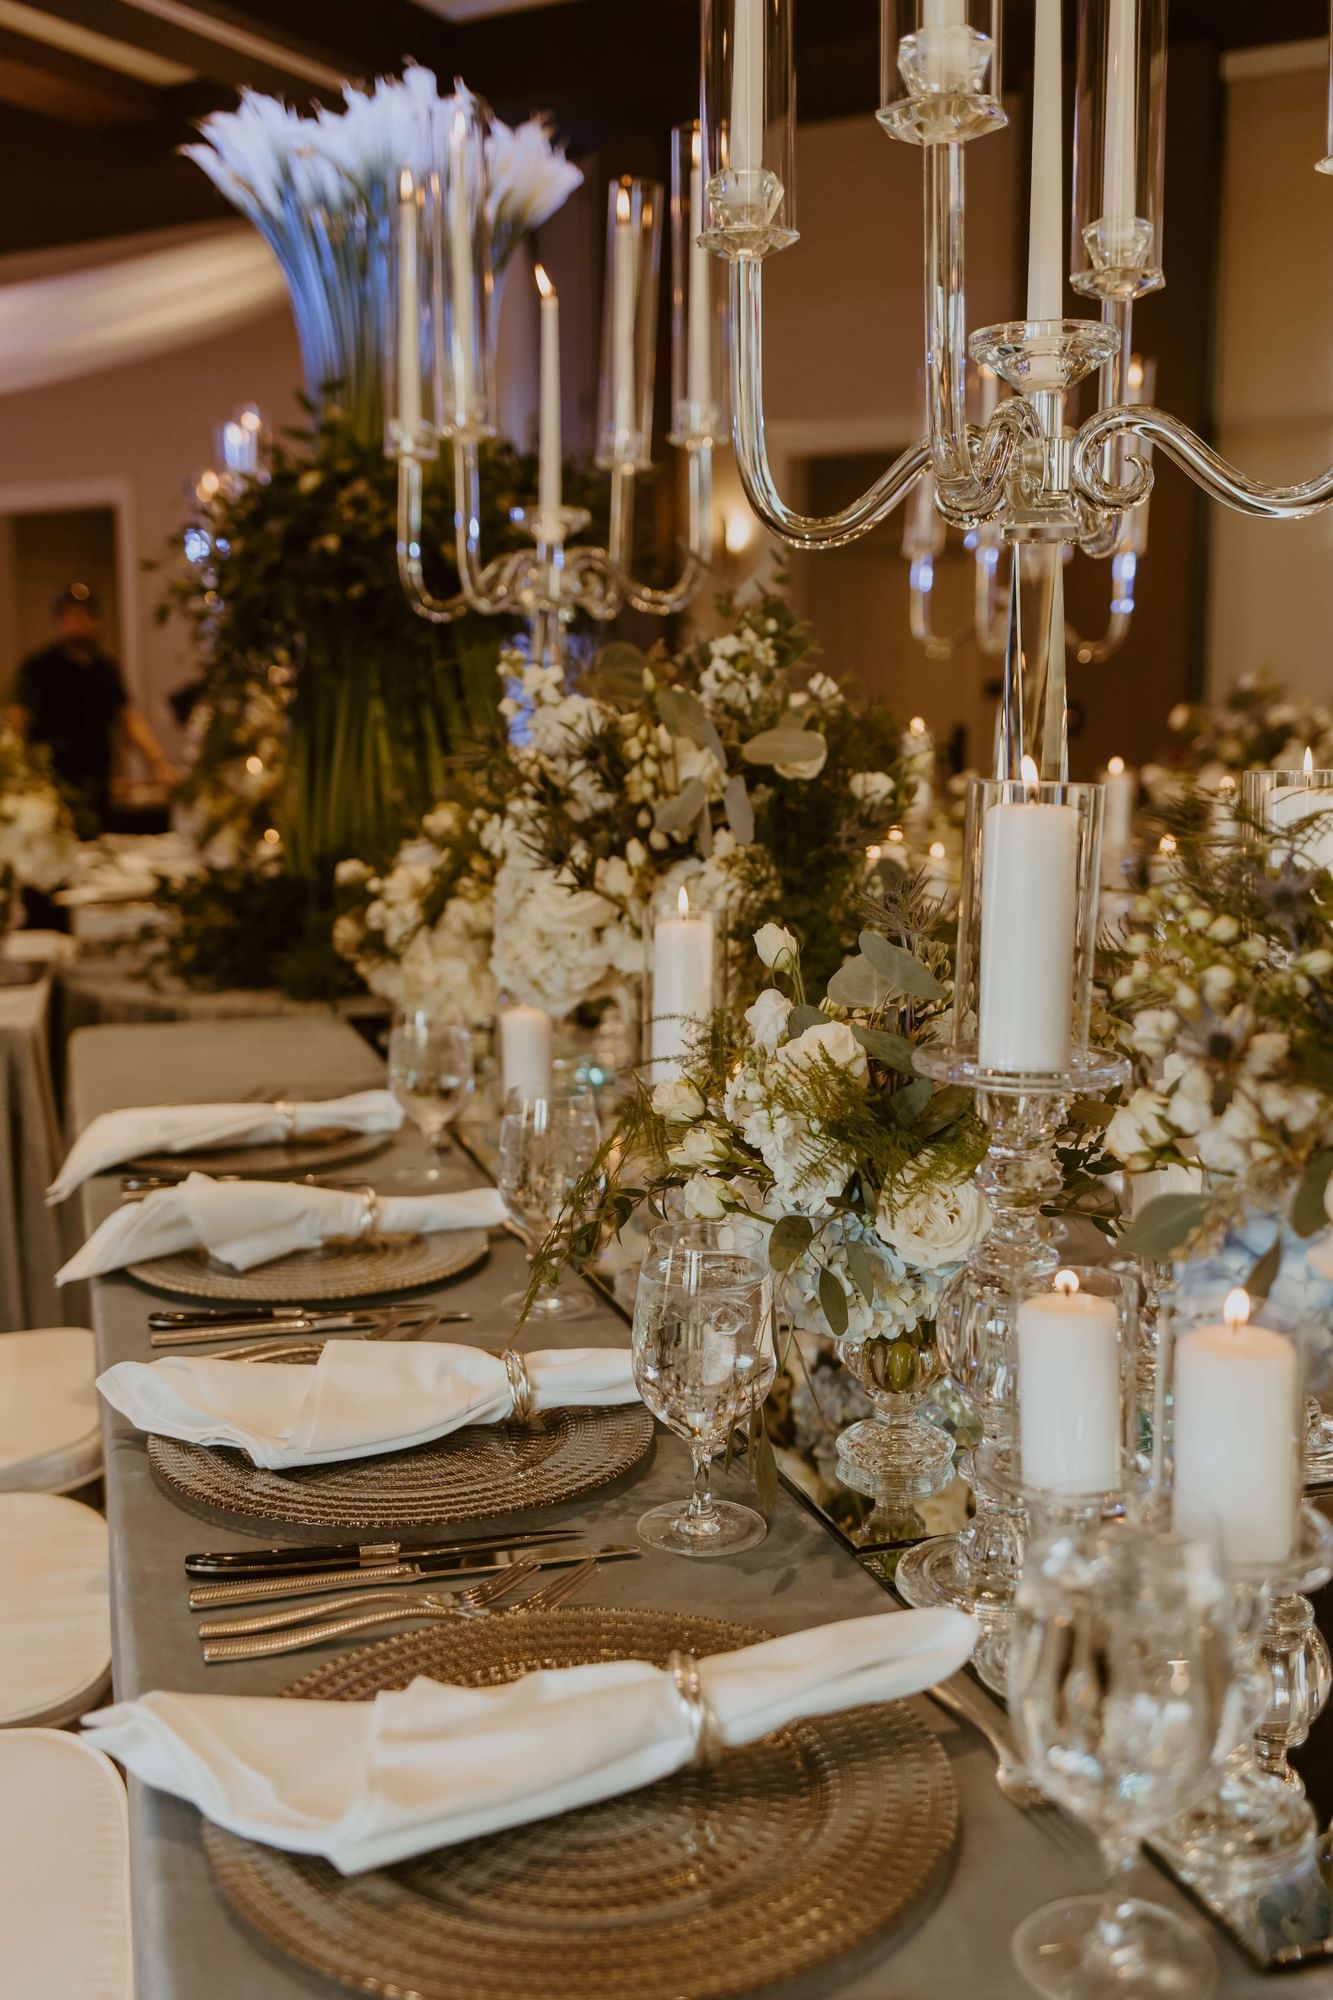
1258	723
737	769
814	1119
1221	983
38	846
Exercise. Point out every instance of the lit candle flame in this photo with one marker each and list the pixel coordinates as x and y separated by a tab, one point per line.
873	854
1236	1309
1066	1283
1031	776
696	145
683	902
1307	762
895	834
1226	783
917	726
544	285
1115	767
406	191
1135	373
622	204
1167	844
937	850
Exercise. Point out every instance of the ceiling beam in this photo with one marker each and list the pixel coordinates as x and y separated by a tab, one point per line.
64	86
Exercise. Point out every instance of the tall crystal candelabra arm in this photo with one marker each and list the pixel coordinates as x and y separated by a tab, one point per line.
803	531
1207	468
1096	652
1106	533
490	590
699	555
437	610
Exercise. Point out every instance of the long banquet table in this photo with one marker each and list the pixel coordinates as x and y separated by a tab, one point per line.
188	1945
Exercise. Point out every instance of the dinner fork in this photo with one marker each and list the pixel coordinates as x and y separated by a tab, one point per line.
313	1620
424	1607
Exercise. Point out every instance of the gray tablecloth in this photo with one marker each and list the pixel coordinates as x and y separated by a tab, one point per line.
123	984
188	1946
30	1153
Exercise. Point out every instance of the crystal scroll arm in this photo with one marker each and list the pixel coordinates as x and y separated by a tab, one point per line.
802	531
438	610
1206	467
641	596
1096	652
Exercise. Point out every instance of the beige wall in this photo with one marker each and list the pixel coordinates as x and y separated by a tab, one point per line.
1271	583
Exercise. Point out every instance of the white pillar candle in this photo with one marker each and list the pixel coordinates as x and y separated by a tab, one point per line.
1069	1412
622	327
1292	806
1122	790
1118	125
745	149
1236	1392
947	46
698	352
1046	288
918	745
526	1035
682	987
549	488
1028	912
409	311
460	265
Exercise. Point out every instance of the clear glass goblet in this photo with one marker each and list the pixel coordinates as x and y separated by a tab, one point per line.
547	1145
431	1073
1122	1692
704	1362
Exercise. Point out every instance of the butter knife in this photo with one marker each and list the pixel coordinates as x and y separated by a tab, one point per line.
251	1590
292	1559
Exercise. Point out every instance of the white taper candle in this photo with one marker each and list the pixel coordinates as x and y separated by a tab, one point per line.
1046	289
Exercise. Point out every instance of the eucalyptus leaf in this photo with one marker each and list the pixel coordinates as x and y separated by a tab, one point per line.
785	746
944	1107
1308	1214
903	969
801	1018
861	1265
678	814
1091	1112
683	714
1264	1274
617	675
704	832
789	1239
857	984
763	1465
740	813
1165	1223
894	1051
833	1301
907	1104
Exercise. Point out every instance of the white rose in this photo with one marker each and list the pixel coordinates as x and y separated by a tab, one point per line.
1190	1105
767	1018
351	873
704	1196
677	1101
699	1146
776	946
833	1039
872	788
810	768
1216	985
936	1226
1139	1128
1154	1030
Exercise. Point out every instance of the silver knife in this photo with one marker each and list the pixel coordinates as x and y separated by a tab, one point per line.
250	1590
228	1565
249	1329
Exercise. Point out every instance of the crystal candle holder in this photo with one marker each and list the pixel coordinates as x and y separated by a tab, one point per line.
629	324
749	127
1119	148
1293	812
700	403
939	70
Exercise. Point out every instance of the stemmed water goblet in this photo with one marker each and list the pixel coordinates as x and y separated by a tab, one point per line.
1124	1697
547	1144
704	1361
431	1072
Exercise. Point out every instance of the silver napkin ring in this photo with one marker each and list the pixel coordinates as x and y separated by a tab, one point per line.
705	1730
520	1384
285	1111
368	1226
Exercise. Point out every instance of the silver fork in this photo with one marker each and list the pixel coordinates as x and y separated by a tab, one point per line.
314	1624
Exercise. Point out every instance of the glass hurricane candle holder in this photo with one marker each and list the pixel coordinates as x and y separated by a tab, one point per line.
1294	811
700	404
898	1445
1229	1445
1119	148
462	276
629	324
940	70
749	127
410	429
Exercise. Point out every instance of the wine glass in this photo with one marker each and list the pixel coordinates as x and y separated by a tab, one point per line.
704	1362
547	1144
1123	1694
431	1074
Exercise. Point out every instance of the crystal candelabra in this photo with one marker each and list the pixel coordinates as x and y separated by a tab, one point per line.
440	389
1045	486
924	535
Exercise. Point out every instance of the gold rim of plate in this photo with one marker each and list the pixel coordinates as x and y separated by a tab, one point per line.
353	1271
484	1470
710	1884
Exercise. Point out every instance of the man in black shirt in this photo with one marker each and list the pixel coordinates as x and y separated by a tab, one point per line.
71	698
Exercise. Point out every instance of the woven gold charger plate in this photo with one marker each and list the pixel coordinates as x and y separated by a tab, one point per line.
358	1271
483	1470
312	1153
709	1884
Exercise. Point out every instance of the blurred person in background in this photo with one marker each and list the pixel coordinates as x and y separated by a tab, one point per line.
71	698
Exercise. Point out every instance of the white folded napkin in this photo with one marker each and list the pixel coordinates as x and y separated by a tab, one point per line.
369	1783
185	1128
360	1397
244	1223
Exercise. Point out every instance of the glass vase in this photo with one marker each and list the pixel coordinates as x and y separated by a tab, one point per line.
898	1446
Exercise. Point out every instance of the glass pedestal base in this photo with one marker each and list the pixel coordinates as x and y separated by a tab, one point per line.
1318	1444
728	1529
1156	1956
1246	1834
907	1453
943	1571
